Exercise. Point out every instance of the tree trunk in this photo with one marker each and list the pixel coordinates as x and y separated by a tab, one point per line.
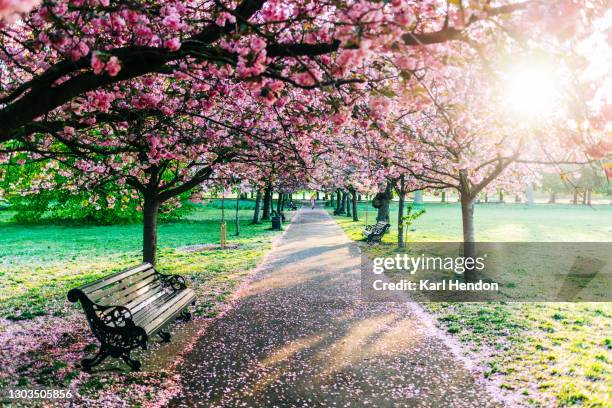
530	198
443	196
575	200
257	207
342	203
385	198
355	215
553	198
467	218
349	204
338	200
279	203
400	214
149	230
267	207
501	196
584	197
589	196
418	197
317	196
486	198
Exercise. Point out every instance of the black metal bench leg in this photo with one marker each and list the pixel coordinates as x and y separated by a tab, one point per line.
165	336
88	363
134	364
185	316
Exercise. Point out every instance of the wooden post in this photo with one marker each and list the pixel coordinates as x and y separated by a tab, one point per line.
223	228
237	219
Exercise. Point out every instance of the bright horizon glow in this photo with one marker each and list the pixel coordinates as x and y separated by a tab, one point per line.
531	90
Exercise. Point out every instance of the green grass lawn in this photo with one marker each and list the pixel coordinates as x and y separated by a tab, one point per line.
550	354
498	223
40	263
45	336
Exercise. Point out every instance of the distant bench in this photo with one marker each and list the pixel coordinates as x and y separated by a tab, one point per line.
374	233
126	308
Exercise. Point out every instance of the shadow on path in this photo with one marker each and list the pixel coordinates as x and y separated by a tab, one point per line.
300	336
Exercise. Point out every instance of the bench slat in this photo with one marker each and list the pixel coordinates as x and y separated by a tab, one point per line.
115	291
156	308
142	302
185	297
141	291
103	282
148	308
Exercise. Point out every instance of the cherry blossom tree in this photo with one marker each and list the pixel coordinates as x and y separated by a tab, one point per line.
71	48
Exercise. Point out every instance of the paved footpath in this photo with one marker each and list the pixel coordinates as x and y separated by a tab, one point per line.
301	337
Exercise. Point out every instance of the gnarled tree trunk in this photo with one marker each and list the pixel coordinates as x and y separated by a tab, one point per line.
384	198
279	203
575	200
589	195
257	207
149	231
349	205
401	192
467	218
342	203
354	202
267	207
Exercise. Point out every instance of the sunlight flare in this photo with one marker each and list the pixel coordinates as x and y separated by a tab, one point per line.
532	90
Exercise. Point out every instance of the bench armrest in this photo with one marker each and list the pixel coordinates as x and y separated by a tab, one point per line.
110	316
115	316
113	324
176	282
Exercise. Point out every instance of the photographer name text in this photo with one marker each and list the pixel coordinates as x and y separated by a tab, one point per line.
451	285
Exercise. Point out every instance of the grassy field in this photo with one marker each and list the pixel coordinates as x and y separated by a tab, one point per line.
547	354
39	263
499	223
44	336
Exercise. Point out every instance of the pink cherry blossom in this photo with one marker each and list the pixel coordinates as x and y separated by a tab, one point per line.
173	44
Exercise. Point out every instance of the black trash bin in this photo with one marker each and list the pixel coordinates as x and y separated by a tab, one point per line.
276	221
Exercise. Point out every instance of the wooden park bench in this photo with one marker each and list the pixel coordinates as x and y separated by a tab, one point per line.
126	309
374	233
